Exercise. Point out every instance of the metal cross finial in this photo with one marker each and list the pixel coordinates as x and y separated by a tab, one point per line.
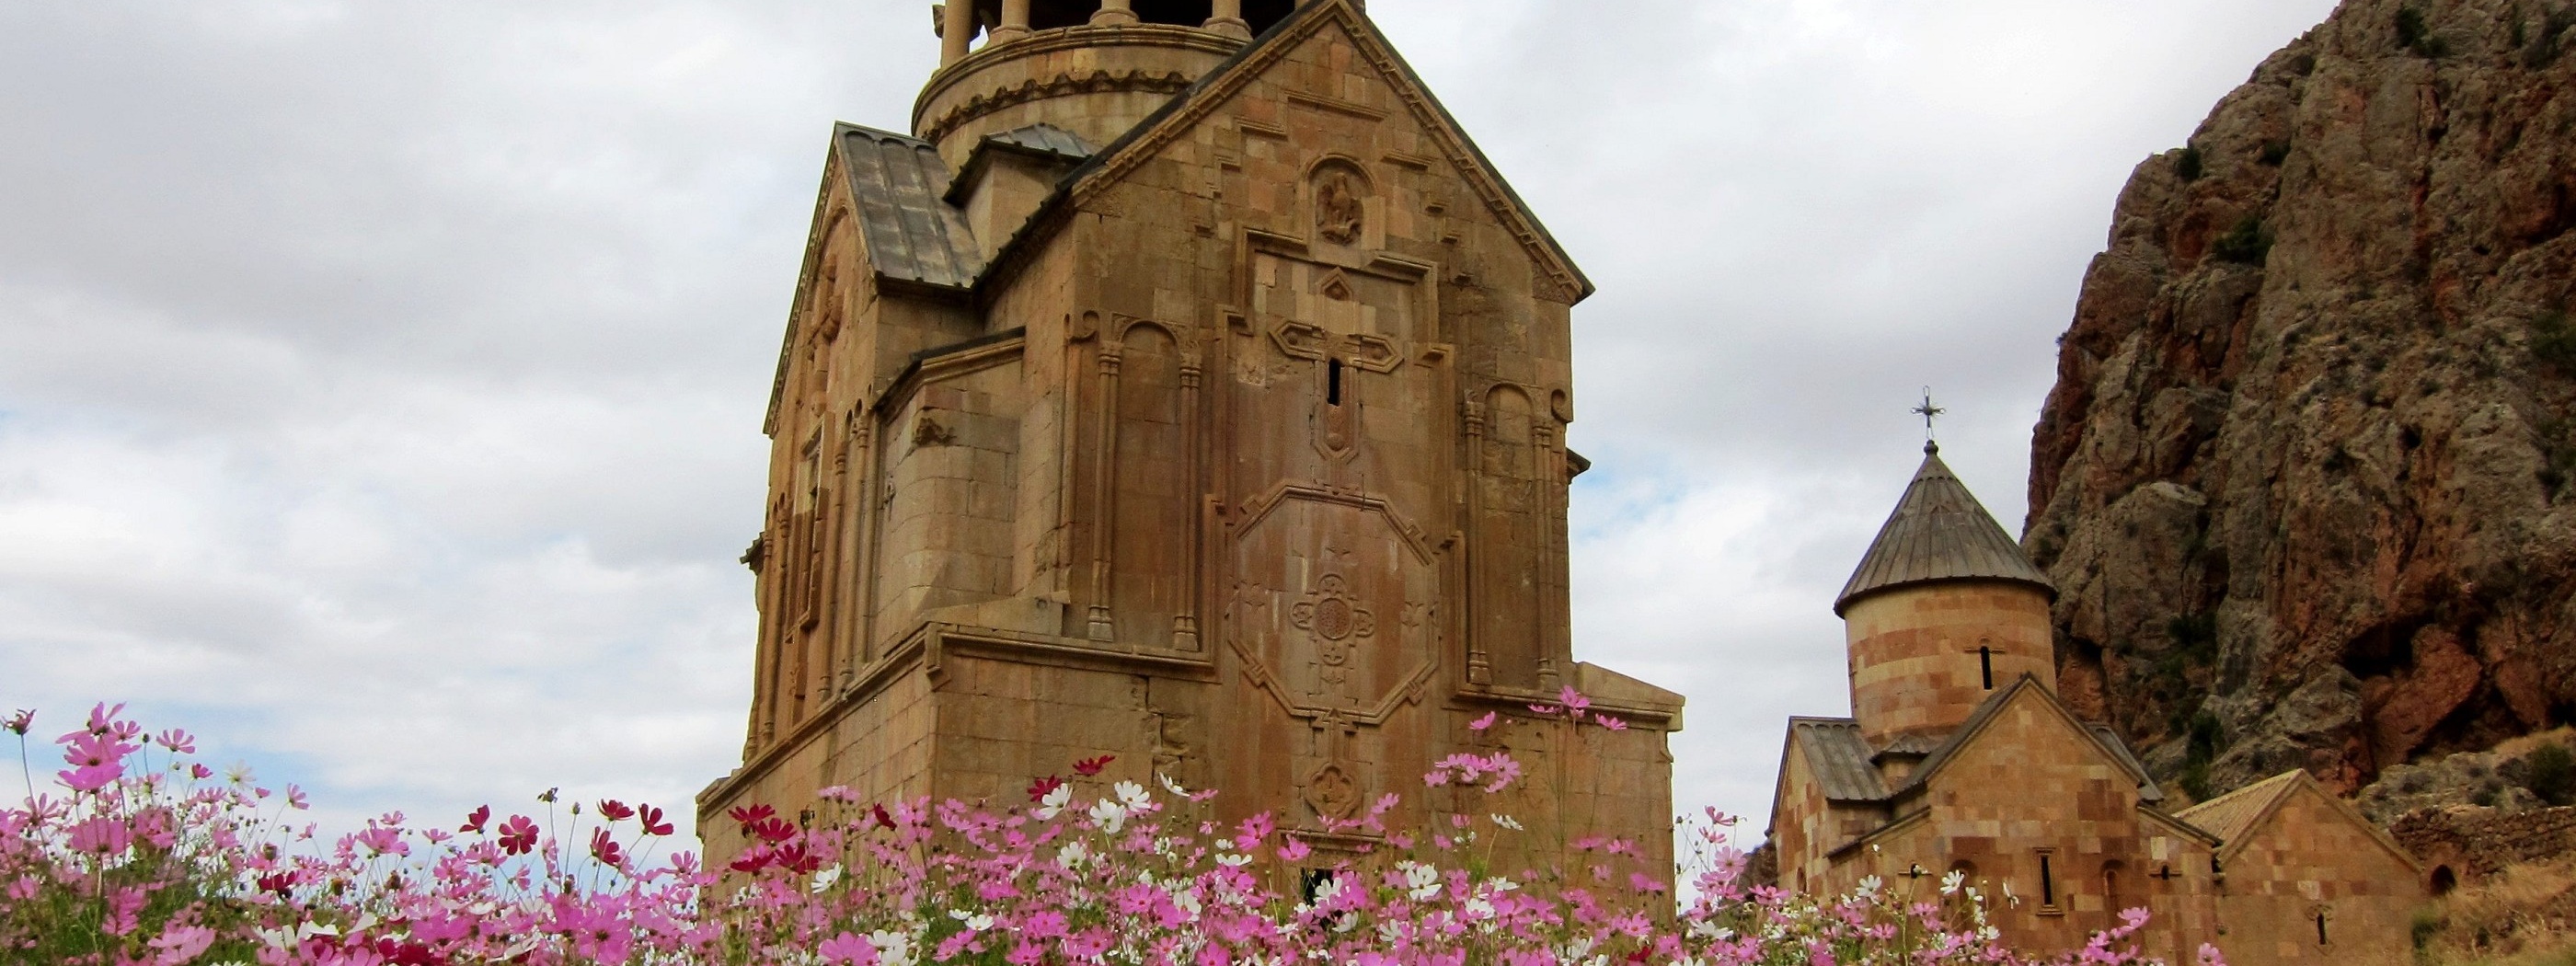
1929	412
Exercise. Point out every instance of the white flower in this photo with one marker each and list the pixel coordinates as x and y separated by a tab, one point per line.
975	921
1133	796
1111	815
1508	822
1950	883
1233	861
1187	902
824	880
1869	886
893	948
1478	908
1422	882
1073	856
1054	802
2010	897
1172	786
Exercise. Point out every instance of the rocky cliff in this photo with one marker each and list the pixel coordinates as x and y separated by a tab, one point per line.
2307	481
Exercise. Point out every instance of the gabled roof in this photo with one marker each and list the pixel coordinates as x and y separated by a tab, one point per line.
897	186
2231	815
1212	91
907	231
1045	142
2102	738
1839	758
2235	816
1939	532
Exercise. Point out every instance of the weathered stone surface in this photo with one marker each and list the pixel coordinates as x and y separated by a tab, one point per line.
2308	454
1239	459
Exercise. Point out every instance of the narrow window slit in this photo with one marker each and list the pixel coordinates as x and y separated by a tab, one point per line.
2047	882
1986	665
1333	383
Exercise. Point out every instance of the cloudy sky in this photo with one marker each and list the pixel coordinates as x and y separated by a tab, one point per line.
381	380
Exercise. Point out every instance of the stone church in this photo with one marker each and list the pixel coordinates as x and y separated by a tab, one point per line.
1186	388
1958	756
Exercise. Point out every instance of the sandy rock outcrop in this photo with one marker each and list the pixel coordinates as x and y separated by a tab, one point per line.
2307	481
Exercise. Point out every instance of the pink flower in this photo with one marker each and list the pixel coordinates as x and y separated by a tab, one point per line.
1610	723
518	835
379	840
1294	850
178	741
474	820
1485	722
1090	767
101	836
615	811
179	944
848	950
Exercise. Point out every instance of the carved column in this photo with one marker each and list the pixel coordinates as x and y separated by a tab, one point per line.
1480	666
1015	21
1115	13
1104	482
1228	20
956	30
1185	625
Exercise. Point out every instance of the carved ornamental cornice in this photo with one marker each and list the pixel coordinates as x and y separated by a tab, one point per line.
968	72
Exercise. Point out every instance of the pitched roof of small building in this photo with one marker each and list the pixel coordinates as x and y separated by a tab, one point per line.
1839	758
898	187
1939	532
2231	815
2103	737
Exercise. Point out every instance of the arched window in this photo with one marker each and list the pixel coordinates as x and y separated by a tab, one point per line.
2444	880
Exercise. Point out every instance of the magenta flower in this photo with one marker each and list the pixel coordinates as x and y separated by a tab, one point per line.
653	823
178	741
1485	722
518	835
474	820
615	811
20	722
1609	723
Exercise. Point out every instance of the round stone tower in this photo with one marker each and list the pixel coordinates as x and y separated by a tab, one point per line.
1943	612
1091	67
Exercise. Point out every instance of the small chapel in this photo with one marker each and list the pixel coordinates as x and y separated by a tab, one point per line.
1958	757
1184	391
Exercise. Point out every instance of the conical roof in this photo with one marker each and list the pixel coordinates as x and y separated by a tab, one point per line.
1939	532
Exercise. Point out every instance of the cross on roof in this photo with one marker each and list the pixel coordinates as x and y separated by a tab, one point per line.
1929	412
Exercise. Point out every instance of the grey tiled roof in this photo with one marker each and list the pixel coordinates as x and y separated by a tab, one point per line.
911	233
1839	758
1045	138
1939	532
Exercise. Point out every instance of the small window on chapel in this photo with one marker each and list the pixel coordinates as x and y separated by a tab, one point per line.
1333	383
2321	928
1986	666
2047	880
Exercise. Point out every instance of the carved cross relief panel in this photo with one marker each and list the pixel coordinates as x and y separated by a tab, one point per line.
1330	594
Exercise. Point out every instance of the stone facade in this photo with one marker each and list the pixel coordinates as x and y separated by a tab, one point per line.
1960	757
1188	399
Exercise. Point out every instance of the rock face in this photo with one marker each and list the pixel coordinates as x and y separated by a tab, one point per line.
2307	481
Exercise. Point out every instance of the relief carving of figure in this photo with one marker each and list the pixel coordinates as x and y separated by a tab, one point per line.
1339	213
